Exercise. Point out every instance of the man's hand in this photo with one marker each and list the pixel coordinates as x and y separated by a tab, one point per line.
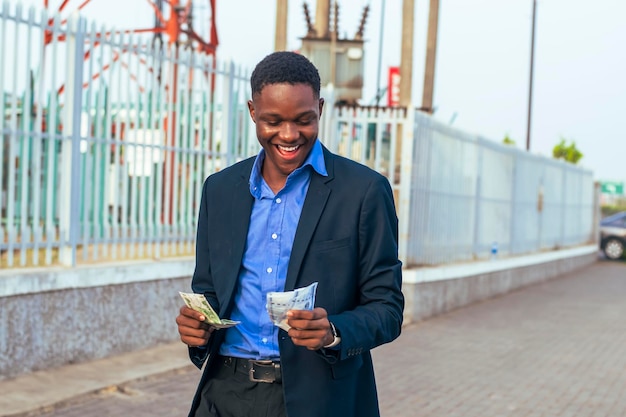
310	328
193	330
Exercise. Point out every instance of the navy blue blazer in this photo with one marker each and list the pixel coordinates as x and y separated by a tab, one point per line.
347	240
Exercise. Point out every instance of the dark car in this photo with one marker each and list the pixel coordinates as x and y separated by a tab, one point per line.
613	235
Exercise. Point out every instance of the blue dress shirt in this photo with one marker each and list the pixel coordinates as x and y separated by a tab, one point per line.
273	224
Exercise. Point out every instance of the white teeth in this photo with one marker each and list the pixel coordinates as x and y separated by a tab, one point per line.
288	148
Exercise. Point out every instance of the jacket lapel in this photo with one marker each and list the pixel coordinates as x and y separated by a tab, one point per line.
312	210
240	208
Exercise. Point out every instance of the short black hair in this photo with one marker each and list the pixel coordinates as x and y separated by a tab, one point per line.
285	67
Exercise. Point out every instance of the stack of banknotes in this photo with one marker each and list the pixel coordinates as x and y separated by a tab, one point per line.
199	303
279	303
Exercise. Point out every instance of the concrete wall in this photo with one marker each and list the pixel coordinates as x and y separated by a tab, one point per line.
433	291
125	308
58	316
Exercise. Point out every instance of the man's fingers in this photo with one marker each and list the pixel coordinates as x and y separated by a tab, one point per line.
308	319
315	314
195	336
304	334
311	325
192	328
312	340
188	312
309	328
194	341
194	332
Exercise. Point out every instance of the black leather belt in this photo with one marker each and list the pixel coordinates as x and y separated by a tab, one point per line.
266	371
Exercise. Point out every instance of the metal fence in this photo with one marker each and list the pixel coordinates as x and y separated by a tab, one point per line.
472	199
368	134
461	197
107	138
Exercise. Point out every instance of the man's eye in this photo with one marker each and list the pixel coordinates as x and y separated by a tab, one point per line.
306	121
273	122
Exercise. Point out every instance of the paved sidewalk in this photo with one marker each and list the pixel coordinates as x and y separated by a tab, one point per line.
556	349
43	390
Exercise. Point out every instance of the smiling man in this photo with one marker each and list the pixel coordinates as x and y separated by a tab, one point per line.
293	215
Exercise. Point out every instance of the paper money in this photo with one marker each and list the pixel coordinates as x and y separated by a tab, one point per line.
199	303
279	303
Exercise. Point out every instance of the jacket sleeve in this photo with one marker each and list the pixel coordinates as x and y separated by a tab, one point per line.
377	318
202	281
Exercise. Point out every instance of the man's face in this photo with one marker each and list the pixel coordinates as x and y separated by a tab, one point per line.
287	123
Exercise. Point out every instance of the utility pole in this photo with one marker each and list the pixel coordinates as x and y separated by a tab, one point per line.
404	147
280	38
380	51
431	54
406	53
532	67
334	34
322	19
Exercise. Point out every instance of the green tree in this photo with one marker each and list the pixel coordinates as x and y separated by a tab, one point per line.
508	141
569	153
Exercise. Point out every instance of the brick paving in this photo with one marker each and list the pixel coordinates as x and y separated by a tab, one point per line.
555	349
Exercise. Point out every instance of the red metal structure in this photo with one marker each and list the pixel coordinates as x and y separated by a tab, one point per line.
177	27
177	24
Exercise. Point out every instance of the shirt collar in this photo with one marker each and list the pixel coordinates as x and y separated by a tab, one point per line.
315	160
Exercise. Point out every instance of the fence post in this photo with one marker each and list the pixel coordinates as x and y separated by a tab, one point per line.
69	203
478	206
328	121
513	206
597	212
563	208
228	144
408	138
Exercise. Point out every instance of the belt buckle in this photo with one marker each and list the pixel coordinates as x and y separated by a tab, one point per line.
261	365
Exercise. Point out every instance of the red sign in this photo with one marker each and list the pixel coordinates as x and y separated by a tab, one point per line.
393	87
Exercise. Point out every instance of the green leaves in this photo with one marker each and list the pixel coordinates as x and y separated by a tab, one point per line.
568	153
507	140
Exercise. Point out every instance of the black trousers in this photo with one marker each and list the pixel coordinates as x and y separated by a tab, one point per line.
230	393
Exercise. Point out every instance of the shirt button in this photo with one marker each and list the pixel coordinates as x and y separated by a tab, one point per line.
264	340
274	236
278	200
269	270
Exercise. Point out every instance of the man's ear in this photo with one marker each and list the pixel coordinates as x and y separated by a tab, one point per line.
251	110
321	105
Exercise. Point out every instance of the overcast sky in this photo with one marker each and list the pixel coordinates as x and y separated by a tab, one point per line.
483	62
